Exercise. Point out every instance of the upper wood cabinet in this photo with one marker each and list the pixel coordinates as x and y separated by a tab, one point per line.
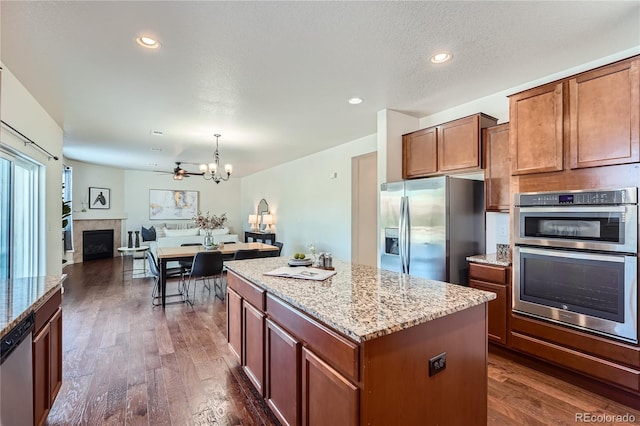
455	147
536	118
604	116
419	153
497	168
592	118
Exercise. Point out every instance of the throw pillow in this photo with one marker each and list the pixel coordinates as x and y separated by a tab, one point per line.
181	232
148	234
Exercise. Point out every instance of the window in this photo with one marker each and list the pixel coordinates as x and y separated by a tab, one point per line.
21	216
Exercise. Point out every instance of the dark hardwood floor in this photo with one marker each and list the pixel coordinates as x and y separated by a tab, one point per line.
127	362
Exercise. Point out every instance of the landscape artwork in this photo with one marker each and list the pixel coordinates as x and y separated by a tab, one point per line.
169	204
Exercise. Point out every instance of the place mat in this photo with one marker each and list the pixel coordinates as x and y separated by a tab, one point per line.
305	273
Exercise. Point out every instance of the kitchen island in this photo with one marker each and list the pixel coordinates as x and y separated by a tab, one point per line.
366	346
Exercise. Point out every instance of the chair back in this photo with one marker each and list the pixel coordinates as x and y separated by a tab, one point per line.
153	266
279	245
207	264
246	254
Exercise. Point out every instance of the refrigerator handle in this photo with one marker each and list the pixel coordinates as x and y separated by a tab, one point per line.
407	235
400	234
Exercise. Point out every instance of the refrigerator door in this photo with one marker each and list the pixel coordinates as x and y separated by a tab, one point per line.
428	230
390	217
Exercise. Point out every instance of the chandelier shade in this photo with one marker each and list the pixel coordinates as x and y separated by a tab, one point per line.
212	171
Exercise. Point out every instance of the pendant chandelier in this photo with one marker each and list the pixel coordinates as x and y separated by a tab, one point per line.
212	171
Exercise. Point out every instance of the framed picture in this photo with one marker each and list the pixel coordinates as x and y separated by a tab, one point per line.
172	204
99	198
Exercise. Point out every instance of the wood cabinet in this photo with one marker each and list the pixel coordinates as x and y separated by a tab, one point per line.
420	153
253	344
47	357
234	327
497	171
588	120
451	147
496	279
282	375
328	398
604	116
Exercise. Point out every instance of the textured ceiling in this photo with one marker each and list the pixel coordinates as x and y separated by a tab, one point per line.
274	77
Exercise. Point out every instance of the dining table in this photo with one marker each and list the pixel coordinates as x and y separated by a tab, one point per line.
169	254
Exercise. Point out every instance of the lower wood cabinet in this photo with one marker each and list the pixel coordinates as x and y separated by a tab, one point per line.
234	328
253	344
47	358
282	375
328	398
495	279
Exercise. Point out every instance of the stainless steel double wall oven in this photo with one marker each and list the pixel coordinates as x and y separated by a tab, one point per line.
576	259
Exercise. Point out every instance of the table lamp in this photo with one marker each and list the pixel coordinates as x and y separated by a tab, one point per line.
253	221
267	220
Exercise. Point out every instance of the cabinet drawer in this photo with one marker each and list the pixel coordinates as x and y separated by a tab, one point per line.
334	349
250	292
496	274
46	310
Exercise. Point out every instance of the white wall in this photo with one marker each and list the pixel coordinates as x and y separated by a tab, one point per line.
24	113
309	206
213	198
130	195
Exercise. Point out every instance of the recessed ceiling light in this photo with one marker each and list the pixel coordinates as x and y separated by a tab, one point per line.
441	57
157	132
148	42
152	164
355	101
154	149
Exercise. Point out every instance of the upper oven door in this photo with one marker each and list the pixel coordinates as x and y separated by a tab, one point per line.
604	228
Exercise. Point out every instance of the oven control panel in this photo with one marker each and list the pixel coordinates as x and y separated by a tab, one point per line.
603	197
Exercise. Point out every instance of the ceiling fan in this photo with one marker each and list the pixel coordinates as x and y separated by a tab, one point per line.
179	173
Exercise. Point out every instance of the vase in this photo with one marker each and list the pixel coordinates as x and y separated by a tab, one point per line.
208	240
137	238
130	241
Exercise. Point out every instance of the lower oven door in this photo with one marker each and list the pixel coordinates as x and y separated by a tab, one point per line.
591	291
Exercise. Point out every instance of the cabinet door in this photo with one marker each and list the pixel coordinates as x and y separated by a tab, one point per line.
497	309
536	136
282	375
327	397
41	375
55	356
234	322
604	111
497	172
419	153
253	344
459	146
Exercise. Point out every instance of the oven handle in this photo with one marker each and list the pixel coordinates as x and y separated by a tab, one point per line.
575	209
613	257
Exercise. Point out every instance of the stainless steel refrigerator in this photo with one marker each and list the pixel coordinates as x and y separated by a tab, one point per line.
429	227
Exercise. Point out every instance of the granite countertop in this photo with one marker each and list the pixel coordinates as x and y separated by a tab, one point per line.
360	301
24	295
491	259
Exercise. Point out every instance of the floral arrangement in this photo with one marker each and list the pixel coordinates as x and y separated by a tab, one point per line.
210	221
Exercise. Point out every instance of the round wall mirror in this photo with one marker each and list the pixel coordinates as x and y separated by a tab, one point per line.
263	208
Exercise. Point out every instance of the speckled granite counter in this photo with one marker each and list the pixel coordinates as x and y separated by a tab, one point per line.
363	302
24	295
490	259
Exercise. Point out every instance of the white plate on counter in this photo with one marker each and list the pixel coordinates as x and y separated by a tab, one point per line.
300	262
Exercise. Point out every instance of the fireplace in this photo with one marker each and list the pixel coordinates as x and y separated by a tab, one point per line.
97	244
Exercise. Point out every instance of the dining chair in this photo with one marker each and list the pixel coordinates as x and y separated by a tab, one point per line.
155	272
279	245
185	265
246	254
206	266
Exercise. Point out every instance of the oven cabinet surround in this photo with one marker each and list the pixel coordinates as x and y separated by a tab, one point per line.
588	120
452	147
47	356
490	273
355	348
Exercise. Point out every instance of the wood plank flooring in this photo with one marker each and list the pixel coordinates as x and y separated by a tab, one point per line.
126	362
